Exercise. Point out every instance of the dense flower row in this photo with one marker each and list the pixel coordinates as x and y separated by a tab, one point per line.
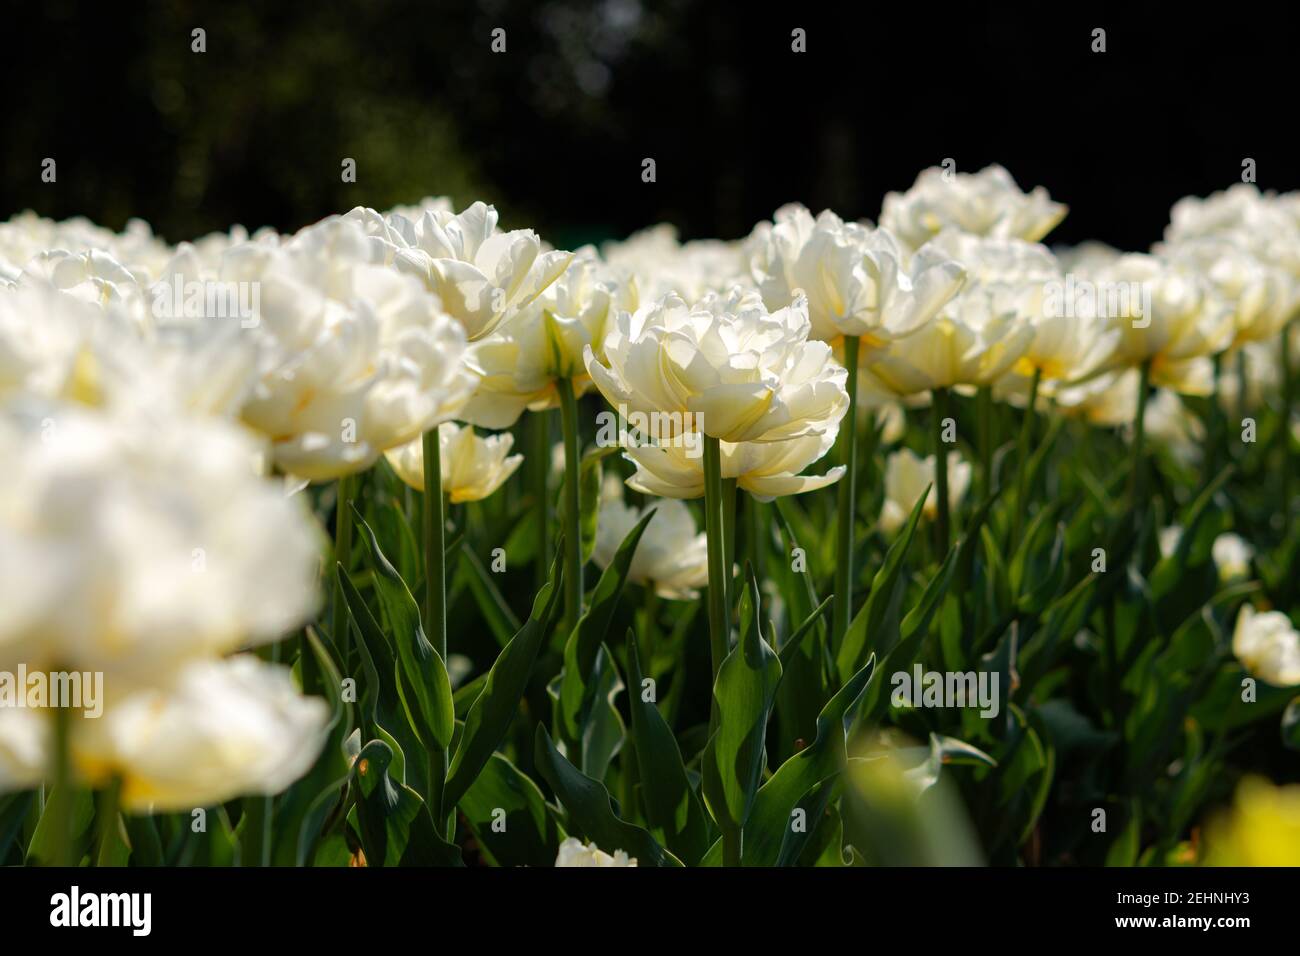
161	409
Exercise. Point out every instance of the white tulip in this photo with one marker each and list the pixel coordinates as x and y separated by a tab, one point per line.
473	466
574	853
987	203
214	731
1232	556
656	263
906	478
671	557
766	470
130	544
1268	645
357	357
1187	323
857	281
481	274
519	364
726	364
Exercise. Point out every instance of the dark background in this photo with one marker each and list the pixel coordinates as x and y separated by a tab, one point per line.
554	130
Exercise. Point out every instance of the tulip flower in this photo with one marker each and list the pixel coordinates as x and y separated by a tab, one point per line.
359	359
135	543
1268	646
859	282
522	364
1232	556
864	287
725	366
671	559
1261	829
481	275
473	467
987	203
573	852
216	730
766	470
907	476
657	264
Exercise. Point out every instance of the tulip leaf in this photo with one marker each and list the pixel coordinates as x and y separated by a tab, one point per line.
591	812
510	817
769	821
866	631
424	686
494	709
792	642
744	692
501	620
672	807
301	811
603	731
1290	728
393	822
590	475
576	689
13	811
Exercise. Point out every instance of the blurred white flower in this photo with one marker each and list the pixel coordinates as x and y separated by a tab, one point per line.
740	372
24	747
656	263
1187	323
1168	540
906	478
974	341
129	544
987	203
1108	400
1232	556
1268	645
1171	425
857	281
473	466
671	557
574	853
214	731
1262	297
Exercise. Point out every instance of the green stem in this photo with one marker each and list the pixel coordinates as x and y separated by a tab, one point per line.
435	597
719	628
346	490
108	805
938	412
435	528
1138	478
437	770
984	414
843	604
541	472
61	805
729	535
573	589
719	618
1022	460
1284	433
754	535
